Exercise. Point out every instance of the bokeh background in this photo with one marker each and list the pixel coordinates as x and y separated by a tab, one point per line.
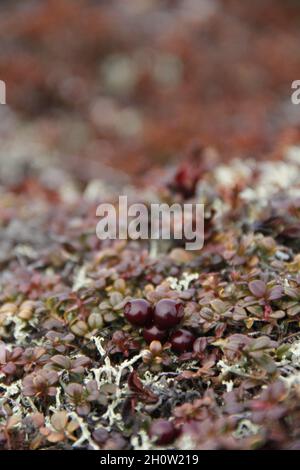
119	89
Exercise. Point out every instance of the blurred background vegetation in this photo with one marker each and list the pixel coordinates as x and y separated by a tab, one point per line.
115	89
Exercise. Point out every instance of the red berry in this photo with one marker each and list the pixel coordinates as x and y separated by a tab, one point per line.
168	313
162	431
182	340
138	312
154	334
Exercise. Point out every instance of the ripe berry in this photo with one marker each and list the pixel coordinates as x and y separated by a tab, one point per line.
182	340
154	334
162	431
138	312
168	313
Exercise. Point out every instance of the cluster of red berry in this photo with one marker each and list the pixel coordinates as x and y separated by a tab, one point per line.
158	322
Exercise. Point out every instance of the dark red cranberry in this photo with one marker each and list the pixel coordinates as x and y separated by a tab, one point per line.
168	313
182	341
138	312
162	431
154	334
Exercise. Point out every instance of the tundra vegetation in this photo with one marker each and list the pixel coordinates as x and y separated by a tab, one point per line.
141	344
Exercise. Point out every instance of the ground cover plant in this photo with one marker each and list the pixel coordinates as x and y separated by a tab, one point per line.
81	363
123	344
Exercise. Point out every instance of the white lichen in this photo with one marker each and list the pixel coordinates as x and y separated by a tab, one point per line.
228	384
290	368
142	441
81	280
183	283
85	433
112	374
246	429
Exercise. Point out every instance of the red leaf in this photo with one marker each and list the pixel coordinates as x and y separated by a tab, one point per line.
257	288
135	384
